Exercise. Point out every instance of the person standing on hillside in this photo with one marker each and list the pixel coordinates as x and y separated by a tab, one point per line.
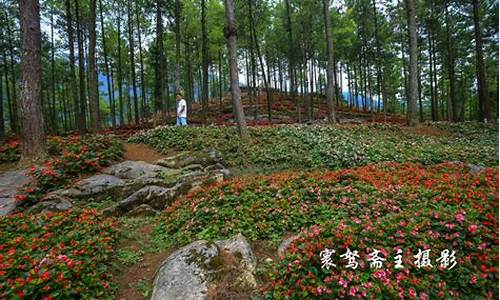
181	110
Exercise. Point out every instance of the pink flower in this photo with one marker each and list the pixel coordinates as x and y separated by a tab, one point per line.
450	226
472	228
353	291
460	217
412	293
343	283
423	296
473	280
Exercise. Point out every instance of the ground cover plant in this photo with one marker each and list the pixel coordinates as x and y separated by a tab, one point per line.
56	255
386	207
70	157
333	147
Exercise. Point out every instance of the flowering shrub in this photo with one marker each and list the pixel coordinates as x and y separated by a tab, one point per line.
9	152
387	207
71	157
56	256
332	147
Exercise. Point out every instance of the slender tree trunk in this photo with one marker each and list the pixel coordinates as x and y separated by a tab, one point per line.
79	119
177	16
93	92
14	100
132	61
331	62
220	80
412	31
34	146
291	59
452	111
204	54
120	76
431	79
230	32
144	106
81	65
187	48
106	68
160	65
2	119
53	117
484	99
12	120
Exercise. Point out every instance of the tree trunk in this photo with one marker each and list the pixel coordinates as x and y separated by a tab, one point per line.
160	65
93	92
230	32
177	16
291	60
204	54
330	68
451	67
431	80
81	65
120	76
106	69
53	115
132	61
484	99
144	106
413	94
34	148
79	119
14	101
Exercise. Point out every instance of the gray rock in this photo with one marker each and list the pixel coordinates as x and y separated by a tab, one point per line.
195	167
239	246
190	271
473	169
142	210
217	166
97	187
185	158
226	174
137	169
186	273
52	202
10	183
285	244
155	196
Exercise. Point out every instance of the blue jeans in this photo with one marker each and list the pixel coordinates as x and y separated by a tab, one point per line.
181	121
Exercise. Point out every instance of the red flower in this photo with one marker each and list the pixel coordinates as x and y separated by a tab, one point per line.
20	294
45	276
472	228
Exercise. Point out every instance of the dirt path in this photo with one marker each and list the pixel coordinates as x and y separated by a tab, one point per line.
134	280
141	152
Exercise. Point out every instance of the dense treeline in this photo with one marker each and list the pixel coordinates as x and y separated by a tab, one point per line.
114	62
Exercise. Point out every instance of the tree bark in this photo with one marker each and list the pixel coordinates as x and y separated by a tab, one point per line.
177	16
204	54
81	65
230	32
132	61
34	148
106	69
291	60
412	119
160	65
144	106
93	92
484	99
451	67
330	68
120	75
14	101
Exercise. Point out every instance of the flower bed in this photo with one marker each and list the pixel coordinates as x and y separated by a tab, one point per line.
9	151
383	207
56	256
71	157
332	147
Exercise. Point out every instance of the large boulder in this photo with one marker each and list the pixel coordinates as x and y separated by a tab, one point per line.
10	183
53	202
190	272
138	170
156	197
97	187
186	273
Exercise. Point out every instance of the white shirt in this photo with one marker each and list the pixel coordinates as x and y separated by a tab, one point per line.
181	104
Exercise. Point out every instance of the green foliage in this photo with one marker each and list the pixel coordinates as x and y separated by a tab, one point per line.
310	147
129	256
56	256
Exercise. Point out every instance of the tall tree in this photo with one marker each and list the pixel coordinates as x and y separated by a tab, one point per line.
204	59
231	32
34	146
329	70
484	99
177	71
106	68
451	101
79	118
132	60
412	118
81	64
160	58
93	92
